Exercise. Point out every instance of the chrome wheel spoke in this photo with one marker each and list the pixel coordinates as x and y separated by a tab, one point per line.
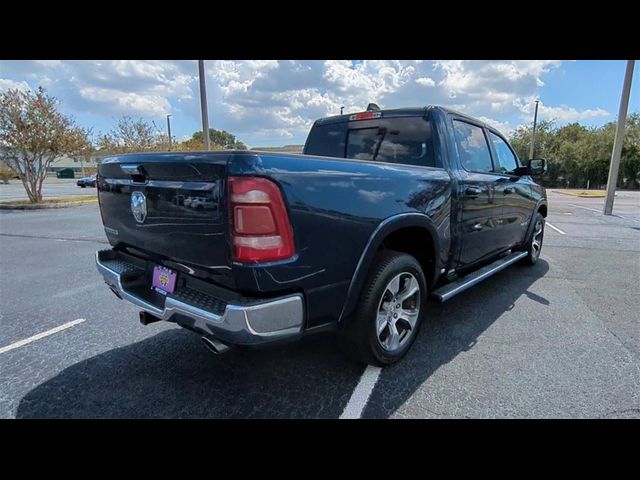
536	243
381	322
538	230
393	340
410	288
394	285
410	316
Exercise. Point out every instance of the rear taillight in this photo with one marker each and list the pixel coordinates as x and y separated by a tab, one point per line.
260	228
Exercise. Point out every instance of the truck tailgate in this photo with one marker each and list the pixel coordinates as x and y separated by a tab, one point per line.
169	205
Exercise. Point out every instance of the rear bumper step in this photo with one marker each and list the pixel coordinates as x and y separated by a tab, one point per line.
243	324
452	289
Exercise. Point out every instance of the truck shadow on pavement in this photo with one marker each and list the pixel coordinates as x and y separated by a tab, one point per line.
451	329
172	375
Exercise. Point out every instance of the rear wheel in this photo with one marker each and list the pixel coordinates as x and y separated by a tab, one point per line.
534	245
390	311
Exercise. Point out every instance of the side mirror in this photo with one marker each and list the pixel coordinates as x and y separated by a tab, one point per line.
537	166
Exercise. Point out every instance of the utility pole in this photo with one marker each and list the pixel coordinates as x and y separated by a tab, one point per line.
617	143
169	129
203	105
533	133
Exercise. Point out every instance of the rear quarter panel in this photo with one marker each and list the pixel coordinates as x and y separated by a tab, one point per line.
334	206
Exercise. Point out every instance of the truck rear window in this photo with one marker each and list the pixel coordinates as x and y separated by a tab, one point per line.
405	140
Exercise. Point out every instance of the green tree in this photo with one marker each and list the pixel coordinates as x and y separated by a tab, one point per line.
630	161
577	155
219	140
521	141
131	136
33	133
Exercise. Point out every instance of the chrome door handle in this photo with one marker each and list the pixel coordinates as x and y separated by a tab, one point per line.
472	192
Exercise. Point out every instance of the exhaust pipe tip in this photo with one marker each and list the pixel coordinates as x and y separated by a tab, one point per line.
214	346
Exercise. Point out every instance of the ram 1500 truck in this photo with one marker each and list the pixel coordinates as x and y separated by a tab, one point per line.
384	209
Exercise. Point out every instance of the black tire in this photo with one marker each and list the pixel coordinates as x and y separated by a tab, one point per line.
360	331
533	253
83	186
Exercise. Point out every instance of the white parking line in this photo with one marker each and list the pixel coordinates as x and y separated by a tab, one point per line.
584	208
361	394
26	341
599	211
556	229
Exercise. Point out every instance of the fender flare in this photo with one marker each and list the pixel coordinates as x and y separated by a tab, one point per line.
540	203
382	231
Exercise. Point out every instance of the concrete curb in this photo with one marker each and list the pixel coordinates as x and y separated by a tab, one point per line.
575	194
45	206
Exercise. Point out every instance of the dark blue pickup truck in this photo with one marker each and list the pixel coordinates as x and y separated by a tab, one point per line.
384	209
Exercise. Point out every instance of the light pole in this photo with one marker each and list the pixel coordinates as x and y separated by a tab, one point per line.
533	133
341	110
169	129
203	104
617	143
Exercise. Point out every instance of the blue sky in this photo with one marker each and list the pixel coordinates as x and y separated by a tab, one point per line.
272	103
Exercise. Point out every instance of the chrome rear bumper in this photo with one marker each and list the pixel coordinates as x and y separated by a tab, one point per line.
243	324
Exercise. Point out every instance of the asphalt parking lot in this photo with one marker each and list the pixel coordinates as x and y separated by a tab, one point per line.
53	187
559	340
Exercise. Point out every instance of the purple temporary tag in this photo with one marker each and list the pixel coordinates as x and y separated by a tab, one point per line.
164	279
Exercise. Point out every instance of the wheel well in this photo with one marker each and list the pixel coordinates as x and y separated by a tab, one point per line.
417	242
543	210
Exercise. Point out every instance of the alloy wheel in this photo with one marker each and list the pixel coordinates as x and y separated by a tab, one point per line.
398	311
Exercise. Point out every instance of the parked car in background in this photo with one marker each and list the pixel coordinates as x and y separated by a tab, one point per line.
202	202
89	181
383	210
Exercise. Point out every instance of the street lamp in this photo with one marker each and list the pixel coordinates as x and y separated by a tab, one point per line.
617	142
169	129
533	133
341	110
203	104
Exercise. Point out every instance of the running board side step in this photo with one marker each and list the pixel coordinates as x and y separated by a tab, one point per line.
450	290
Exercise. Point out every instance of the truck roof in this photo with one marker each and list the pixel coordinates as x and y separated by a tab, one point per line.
401	112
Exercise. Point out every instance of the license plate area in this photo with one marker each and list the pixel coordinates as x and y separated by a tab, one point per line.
164	280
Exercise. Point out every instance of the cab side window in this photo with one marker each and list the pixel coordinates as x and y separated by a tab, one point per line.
506	161
473	147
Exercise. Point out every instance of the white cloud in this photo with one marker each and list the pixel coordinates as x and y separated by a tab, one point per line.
503	127
6	84
426	81
261	99
49	63
275	132
564	113
132	103
561	113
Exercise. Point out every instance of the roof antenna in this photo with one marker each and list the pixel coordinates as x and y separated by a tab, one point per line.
372	107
